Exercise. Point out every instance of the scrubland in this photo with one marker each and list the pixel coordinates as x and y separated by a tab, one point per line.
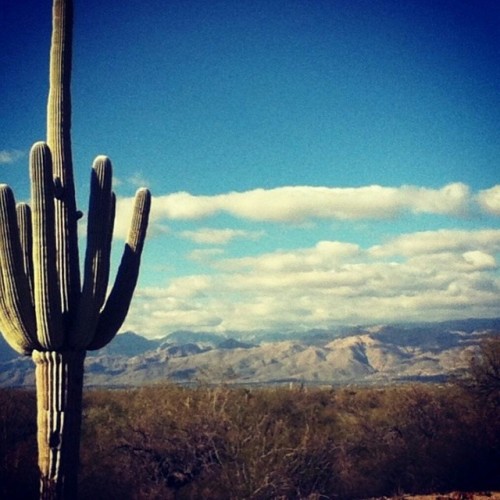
222	442
170	441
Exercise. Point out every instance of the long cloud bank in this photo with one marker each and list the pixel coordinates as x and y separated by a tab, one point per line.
421	276
298	204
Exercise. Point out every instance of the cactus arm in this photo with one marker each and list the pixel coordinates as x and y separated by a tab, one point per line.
97	258
17	320
111	225
23	211
14	333
46	289
118	303
59	141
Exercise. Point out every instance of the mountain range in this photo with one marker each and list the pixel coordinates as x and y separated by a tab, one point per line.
362	355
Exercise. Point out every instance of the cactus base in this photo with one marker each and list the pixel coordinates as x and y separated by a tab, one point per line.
59	384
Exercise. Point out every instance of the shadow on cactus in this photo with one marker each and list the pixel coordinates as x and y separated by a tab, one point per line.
45	309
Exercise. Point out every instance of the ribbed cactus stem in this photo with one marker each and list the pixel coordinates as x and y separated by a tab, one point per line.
46	286
59	141
59	382
118	303
111	225
23	211
97	257
17	319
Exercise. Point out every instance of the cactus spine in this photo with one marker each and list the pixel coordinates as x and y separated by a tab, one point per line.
45	311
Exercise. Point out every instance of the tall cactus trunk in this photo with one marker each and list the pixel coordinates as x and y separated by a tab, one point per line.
59	384
59	142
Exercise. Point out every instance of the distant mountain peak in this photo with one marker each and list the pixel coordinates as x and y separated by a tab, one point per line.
379	354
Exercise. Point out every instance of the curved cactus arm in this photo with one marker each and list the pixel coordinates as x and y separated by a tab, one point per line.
23	211
97	258
59	141
46	286
118	303
17	320
111	225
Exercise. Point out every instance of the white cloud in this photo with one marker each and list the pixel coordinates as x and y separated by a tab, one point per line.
205	254
300	204
213	236
430	242
10	156
332	282
296	204
431	275
123	219
138	180
117	181
193	286
124	212
323	256
489	200
480	260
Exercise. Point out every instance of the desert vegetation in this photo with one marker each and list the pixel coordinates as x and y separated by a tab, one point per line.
168	441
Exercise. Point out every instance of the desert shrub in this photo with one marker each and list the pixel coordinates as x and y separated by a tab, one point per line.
154	441
220	442
484	372
419	439
276	446
18	456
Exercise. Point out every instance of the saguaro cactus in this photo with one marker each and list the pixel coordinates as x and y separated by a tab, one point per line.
45	311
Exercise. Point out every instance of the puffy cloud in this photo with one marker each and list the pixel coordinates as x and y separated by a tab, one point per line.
190	286
430	242
213	236
429	275
299	204
329	283
295	204
322	256
10	156
123	219
124	211
184	205
205	254
489	200
138	180
480	260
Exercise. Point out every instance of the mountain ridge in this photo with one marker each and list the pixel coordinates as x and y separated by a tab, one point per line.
368	355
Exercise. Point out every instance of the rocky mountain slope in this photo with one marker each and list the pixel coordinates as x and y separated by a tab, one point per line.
379	354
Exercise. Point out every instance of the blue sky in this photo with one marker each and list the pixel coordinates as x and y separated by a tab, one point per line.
312	163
